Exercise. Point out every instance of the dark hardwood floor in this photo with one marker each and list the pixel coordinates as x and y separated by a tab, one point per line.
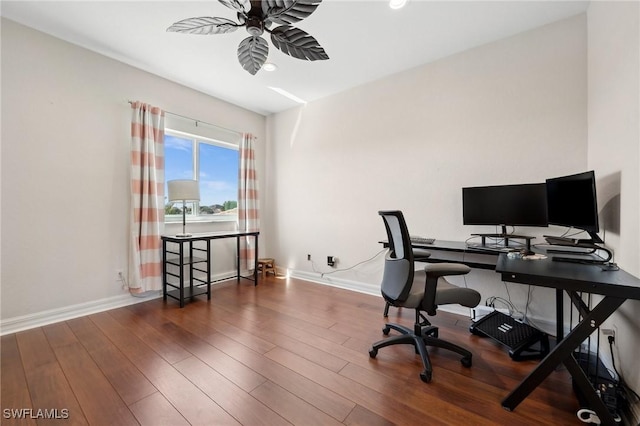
284	352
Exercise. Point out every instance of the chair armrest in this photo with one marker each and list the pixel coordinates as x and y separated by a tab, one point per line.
419	253
443	269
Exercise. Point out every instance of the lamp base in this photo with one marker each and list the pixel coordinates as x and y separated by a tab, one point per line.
183	235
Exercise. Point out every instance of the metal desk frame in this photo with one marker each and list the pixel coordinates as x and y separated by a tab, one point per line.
184	259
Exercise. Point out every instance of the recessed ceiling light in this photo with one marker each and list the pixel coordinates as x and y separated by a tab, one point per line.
269	67
397	4
288	95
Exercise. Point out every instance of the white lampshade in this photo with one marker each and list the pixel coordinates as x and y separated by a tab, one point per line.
183	190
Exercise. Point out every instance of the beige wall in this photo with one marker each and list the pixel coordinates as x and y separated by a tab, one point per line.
614	153
65	167
513	111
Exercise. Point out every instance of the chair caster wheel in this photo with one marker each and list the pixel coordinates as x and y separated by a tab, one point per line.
425	376
373	352
466	362
386	331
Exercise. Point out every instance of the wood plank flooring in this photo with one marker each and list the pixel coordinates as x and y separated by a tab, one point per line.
284	352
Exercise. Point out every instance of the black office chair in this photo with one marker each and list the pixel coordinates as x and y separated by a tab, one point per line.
422	290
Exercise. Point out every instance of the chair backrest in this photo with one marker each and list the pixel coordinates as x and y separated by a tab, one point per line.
398	265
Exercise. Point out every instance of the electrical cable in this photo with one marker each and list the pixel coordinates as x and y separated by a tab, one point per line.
623	390
322	274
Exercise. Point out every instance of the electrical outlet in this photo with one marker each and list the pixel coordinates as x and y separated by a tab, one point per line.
608	332
331	260
308	257
119	276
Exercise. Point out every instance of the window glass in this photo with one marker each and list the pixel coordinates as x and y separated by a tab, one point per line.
218	175
214	164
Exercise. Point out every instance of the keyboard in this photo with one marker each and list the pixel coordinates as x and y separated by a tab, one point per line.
421	240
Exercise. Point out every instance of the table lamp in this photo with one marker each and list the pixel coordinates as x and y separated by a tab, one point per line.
183	190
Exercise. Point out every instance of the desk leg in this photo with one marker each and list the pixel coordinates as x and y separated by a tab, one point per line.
563	351
238	258
208	269
255	262
181	274
191	269
559	314
164	270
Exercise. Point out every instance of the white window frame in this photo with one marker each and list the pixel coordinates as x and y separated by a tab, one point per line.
195	215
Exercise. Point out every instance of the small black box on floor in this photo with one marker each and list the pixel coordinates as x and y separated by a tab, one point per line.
601	380
523	341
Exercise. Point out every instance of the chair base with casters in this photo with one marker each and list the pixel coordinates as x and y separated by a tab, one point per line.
422	335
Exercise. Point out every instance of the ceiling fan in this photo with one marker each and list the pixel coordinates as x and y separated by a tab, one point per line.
258	16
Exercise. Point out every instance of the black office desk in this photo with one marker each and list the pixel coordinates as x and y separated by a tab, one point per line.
615	286
185	256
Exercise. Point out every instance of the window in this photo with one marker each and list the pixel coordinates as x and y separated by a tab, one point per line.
213	163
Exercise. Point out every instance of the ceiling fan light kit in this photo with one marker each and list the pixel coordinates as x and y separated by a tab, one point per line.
397	4
257	16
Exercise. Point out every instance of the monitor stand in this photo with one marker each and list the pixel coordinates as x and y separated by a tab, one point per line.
593	247
506	237
595	238
589	246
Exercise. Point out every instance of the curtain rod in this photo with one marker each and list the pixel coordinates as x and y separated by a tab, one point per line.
199	121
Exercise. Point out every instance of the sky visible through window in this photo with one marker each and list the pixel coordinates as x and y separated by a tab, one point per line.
218	168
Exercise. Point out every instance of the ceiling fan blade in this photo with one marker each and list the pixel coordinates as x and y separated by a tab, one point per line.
252	54
288	11
297	43
204	26
240	6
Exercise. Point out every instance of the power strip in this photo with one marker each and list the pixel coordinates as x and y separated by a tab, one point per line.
482	311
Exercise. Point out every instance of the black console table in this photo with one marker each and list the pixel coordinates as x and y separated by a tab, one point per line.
193	253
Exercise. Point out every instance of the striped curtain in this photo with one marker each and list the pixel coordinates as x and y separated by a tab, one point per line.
248	217
147	198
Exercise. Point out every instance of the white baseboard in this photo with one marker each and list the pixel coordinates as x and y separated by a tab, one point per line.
39	319
316	277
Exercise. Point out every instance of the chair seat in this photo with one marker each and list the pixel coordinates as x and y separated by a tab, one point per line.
446	293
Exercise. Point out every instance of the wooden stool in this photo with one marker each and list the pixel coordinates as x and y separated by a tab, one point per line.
265	265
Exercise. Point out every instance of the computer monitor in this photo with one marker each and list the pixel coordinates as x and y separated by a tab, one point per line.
572	202
505	205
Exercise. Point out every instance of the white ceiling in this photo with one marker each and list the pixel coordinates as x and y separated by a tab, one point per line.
365	40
